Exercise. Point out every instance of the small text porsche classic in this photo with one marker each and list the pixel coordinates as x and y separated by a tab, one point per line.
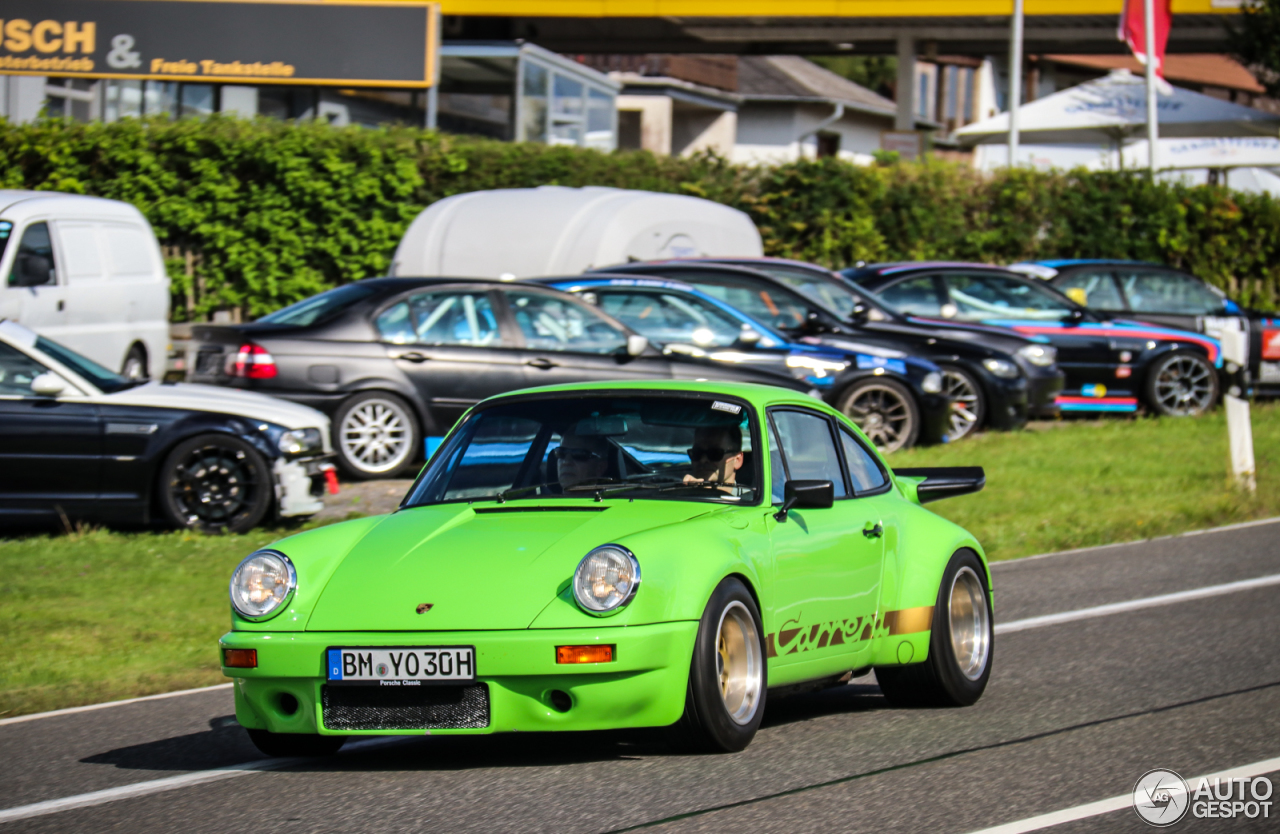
609	555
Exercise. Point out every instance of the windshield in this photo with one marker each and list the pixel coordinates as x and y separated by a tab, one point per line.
320	308
761	299
108	381
6	230
657	447
828	291
666	317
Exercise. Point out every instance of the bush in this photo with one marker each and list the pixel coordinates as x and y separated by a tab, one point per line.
258	214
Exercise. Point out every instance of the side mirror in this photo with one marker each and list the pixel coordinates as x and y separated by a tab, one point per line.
48	385
636	344
1074	317
749	336
861	315
814	495
31	271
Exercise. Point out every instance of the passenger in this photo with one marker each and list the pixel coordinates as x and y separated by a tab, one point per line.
581	459
716	456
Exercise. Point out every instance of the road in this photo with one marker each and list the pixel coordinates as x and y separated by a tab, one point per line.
1076	711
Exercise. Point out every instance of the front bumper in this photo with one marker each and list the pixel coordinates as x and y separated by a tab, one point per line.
299	483
1042	394
644	686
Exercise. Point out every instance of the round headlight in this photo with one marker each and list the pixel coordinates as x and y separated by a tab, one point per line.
606	579
1002	368
262	583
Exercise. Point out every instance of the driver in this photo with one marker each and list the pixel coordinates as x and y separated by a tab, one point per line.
716	456
581	459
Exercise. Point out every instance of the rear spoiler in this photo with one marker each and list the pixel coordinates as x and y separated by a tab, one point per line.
935	482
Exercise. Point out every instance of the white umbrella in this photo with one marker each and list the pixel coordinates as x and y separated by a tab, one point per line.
1113	108
1207	152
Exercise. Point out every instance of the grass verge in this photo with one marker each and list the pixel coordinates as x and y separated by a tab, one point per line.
100	615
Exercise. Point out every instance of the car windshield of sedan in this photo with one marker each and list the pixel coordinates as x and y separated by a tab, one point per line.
692	448
828	292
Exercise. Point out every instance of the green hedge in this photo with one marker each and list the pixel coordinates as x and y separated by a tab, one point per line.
272	212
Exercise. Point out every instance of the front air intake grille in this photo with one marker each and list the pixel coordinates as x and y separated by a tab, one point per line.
405	708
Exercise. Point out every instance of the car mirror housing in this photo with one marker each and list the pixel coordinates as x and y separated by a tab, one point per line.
749	337
636	344
32	271
814	495
861	315
48	385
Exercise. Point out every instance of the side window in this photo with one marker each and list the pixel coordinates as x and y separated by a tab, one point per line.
863	468
441	318
1168	292
979	297
1091	289
17	370
129	251
552	323
914	296
809	448
33	264
672	318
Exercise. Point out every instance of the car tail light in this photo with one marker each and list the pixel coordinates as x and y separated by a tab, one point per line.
240	658
584	654
251	362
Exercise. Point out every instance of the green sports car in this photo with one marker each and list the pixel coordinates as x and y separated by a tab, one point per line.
610	555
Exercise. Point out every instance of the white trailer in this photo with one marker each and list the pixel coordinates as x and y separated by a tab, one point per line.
553	230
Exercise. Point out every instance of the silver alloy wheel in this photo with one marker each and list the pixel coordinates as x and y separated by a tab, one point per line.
1184	386
964	403
375	436
883	416
967	616
739	663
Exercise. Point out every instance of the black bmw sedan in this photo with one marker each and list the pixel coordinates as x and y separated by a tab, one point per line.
992	377
396	360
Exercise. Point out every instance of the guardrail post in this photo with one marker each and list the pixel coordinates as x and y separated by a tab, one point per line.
1235	351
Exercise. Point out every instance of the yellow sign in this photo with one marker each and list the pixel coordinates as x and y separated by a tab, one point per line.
806	8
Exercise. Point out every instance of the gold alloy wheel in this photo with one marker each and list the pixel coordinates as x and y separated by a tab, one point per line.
970	623
739	663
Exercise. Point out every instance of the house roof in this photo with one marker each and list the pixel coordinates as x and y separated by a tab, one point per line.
791	78
1207	69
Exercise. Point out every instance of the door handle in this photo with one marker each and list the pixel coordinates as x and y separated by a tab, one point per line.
873	532
414	357
541	363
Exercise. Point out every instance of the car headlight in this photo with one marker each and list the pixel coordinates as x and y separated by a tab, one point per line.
1042	355
932	383
1002	368
262	583
300	442
606	579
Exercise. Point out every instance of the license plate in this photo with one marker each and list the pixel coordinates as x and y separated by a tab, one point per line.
401	665
1269	372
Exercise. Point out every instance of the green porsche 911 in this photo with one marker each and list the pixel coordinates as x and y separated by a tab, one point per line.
609	555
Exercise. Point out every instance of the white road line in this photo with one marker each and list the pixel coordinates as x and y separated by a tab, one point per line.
86	800
1243	525
1137	604
1119	803
90	707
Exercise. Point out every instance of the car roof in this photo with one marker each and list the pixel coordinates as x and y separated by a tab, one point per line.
1067	262
757	394
908	266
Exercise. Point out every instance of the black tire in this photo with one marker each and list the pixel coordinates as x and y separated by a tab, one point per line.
721	714
135	363
943	680
885	411
968	402
215	483
375	435
1182	384
289	745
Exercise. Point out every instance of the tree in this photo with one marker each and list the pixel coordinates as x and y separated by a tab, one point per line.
1255	41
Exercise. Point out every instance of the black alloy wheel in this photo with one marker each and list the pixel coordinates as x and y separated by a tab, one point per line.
215	483
1182	385
885	411
968	402
961	643
728	675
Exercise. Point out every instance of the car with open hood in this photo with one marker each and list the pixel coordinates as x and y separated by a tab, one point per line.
1111	364
80	442
615	555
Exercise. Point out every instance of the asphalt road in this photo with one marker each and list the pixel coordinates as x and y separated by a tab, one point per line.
1075	713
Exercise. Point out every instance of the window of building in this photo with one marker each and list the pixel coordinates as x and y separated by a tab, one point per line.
533	102
71	98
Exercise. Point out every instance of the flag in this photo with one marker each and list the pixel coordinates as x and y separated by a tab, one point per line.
1133	30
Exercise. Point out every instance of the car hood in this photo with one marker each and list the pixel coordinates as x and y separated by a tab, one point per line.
478	567
248	404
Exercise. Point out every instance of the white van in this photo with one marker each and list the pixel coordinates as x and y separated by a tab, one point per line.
88	273
554	230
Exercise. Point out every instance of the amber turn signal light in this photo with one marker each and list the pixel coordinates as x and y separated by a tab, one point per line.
584	654
240	658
